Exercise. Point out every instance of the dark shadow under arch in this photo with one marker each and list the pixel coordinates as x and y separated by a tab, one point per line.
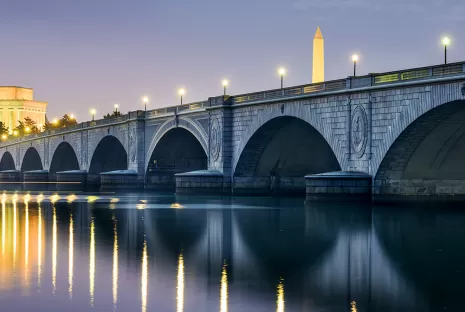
278	156
109	155
177	151
428	157
63	159
7	162
31	160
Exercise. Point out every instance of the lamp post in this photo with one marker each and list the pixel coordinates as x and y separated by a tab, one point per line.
71	116
181	93
116	109
225	84
4	137
282	72
355	59
446	42
145	100
93	111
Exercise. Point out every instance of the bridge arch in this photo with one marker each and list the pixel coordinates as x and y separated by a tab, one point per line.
64	158
276	154
109	155
7	162
175	148
426	153
31	160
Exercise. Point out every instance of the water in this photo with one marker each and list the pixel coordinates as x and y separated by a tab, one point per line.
167	253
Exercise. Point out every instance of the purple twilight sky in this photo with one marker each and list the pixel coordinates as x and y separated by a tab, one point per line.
82	54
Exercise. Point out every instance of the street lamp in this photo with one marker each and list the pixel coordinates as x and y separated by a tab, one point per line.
116	109
4	137
355	59
55	121
27	129
446	42
15	132
71	116
225	83
181	93
145	100
92	112
282	72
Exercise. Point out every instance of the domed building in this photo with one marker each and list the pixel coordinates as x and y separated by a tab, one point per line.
16	103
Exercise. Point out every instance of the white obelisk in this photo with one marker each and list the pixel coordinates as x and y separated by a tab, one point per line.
318	57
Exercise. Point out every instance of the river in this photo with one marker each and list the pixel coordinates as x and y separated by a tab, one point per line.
162	252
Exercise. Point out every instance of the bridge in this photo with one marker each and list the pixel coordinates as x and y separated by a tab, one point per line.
403	129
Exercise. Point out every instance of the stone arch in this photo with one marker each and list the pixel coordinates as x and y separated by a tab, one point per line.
177	150
7	162
275	159
183	122
73	139
108	155
31	160
302	113
64	158
426	157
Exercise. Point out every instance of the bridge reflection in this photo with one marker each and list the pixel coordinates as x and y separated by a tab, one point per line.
342	258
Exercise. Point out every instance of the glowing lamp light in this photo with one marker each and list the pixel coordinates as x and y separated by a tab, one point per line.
71	116
15	132
4	137
145	99
55	121
28	129
181	92
446	41
355	57
225	83
282	71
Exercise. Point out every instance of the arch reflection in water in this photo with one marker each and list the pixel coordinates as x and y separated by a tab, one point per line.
92	261
280	297
224	290
54	250
144	278
71	256
180	285
115	263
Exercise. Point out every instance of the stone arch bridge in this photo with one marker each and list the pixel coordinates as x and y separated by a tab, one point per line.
404	129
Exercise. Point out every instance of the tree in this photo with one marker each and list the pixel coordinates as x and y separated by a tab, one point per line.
67	121
3	129
114	114
30	126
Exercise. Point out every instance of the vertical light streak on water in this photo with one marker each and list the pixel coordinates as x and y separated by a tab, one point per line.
224	290
115	264
26	239
92	262
39	248
180	285
54	250
280	297
144	278
71	256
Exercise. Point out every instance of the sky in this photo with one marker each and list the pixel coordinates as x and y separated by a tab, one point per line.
83	54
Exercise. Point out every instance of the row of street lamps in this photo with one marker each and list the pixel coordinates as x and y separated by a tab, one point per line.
281	72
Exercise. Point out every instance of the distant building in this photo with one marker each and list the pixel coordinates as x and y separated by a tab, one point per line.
16	103
318	57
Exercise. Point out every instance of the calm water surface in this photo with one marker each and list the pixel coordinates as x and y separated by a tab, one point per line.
168	253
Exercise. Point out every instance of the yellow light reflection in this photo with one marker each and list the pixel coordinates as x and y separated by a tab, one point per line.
224	290
54	250
144	279
54	198
92	262
15	197
91	199
180	286
71	256
353	306
3	225
280	297
26	239
114	200
140	206
115	265
176	206
39	248
71	198
40	198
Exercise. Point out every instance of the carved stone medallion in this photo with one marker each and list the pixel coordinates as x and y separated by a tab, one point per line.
215	139
359	131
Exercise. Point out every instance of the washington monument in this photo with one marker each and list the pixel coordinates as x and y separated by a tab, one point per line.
318	74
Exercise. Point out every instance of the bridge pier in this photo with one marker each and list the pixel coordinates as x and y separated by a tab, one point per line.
72	180
36	180
120	180
202	181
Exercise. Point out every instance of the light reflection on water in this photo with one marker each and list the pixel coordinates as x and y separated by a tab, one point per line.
231	255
